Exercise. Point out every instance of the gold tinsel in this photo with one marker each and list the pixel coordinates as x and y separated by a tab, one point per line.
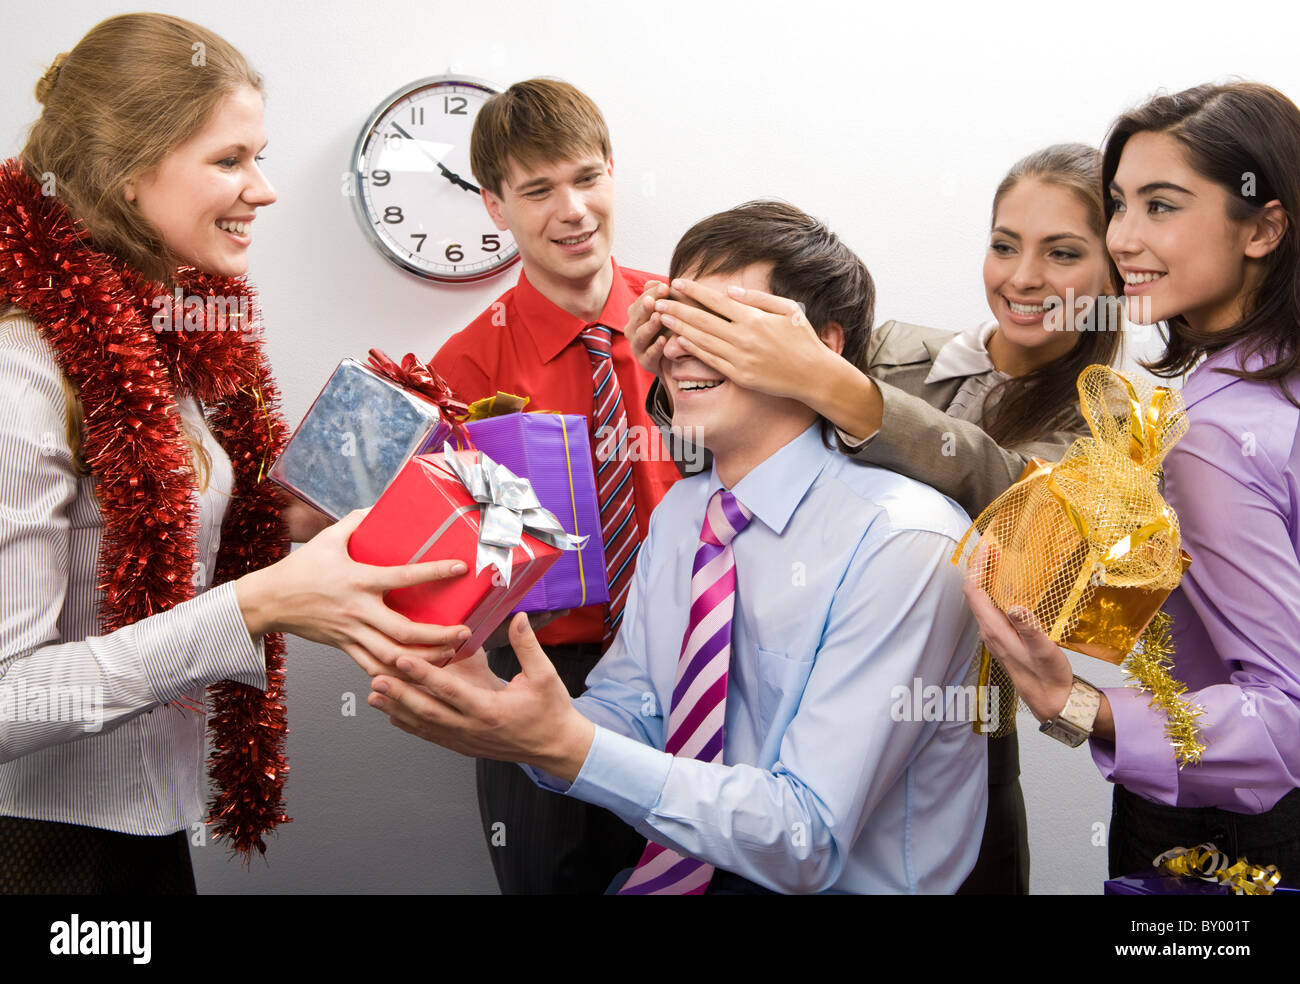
1149	665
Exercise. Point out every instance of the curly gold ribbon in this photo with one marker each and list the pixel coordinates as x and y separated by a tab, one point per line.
254	390
1208	863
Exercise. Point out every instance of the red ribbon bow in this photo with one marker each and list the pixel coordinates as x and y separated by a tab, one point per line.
415	375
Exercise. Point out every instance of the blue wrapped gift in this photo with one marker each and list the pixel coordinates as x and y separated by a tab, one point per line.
362	428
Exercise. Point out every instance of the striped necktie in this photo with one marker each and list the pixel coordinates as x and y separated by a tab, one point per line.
614	485
700	690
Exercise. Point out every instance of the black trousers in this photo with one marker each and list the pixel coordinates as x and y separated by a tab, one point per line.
1141	830
41	857
1002	867
543	843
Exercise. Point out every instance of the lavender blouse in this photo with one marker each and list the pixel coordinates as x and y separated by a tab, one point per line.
1233	481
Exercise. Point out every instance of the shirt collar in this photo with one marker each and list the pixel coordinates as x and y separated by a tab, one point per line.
1204	381
774	489
966	354
553	329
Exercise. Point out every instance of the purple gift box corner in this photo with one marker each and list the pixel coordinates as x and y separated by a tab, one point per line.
552	451
1161	883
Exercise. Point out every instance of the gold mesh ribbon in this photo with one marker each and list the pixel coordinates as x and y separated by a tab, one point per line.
992	678
1208	863
1088	544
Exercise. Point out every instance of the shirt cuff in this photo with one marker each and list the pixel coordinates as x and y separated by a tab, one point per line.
198	643
620	774
1140	758
850	444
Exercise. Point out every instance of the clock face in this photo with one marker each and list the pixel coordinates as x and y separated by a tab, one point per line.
412	185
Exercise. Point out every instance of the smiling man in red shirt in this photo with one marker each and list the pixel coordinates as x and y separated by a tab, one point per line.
541	153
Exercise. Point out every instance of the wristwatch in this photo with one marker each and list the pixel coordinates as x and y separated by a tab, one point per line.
1074	724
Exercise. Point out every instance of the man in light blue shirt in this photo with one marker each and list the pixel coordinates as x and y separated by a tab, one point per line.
848	618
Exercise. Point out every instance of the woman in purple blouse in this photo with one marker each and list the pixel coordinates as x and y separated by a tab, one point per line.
1203	195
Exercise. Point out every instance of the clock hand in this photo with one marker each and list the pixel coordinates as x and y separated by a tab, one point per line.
456	179
450	175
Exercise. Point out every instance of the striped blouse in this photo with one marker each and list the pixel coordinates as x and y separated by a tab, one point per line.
90	731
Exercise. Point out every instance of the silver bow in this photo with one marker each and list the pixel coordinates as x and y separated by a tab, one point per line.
507	507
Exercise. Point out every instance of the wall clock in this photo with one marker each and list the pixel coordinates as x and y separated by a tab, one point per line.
414	193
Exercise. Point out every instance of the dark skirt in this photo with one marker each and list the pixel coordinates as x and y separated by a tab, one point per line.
41	857
1002	867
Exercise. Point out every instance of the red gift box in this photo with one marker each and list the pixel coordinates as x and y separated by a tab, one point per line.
427	514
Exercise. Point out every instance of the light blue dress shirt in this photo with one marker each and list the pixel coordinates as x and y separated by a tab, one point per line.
845	592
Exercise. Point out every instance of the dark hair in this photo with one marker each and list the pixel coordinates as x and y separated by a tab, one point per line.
809	264
1021	409
1228	132
534	122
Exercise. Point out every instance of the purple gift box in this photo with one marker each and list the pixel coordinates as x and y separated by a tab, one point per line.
1156	882
552	451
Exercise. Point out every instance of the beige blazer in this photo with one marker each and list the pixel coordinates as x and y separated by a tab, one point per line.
917	438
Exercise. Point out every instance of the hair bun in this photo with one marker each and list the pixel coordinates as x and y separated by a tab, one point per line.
47	81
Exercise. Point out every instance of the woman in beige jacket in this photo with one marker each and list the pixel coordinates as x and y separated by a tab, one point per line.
961	412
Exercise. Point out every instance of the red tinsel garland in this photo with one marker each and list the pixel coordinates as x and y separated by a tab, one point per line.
99	317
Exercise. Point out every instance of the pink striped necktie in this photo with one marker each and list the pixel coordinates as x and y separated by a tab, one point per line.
700	690
614	485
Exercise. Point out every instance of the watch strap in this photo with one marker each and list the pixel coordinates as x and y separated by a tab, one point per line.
1075	722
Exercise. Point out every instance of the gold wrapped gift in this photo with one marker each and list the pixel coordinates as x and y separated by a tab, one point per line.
1089	545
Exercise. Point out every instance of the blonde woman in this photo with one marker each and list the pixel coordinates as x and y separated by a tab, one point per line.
135	524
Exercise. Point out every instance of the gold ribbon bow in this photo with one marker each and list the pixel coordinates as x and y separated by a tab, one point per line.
497	405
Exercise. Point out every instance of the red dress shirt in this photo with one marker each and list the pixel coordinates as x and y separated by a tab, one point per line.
524	344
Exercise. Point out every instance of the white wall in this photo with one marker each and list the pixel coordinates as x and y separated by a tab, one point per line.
894	124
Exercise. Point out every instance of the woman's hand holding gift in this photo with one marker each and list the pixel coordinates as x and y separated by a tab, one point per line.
1038	667
320	593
